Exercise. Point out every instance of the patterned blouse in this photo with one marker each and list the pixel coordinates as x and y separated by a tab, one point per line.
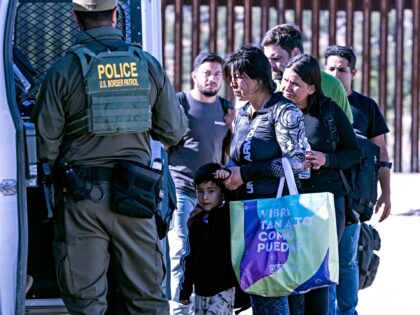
274	131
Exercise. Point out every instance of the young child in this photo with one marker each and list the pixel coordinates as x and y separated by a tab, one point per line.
208	265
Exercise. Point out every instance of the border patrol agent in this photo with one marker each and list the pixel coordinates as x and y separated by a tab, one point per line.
95	113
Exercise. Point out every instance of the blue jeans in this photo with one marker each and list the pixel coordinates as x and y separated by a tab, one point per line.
269	305
178	239
346	292
166	284
340	215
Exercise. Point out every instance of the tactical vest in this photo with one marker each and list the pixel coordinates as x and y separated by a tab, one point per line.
117	87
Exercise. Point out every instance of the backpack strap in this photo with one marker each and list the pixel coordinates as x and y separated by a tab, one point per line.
226	105
328	116
327	112
182	97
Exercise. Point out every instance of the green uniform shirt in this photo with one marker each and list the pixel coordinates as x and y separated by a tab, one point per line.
62	95
334	89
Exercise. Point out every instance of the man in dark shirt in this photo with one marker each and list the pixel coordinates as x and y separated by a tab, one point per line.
340	62
202	143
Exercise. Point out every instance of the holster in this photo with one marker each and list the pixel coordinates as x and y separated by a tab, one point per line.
136	190
79	182
48	189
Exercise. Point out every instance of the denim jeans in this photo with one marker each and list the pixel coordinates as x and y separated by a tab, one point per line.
269	305
340	215
343	297
166	284
178	239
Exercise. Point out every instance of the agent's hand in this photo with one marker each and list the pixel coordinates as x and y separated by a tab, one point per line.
234	181
185	302
383	205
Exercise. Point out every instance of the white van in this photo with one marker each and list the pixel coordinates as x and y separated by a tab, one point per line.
33	34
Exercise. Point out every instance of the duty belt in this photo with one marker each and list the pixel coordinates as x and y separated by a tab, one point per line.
95	173
82	182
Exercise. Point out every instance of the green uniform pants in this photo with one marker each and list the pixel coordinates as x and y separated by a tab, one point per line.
86	234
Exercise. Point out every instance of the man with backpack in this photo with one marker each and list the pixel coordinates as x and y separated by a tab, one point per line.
210	119
369	122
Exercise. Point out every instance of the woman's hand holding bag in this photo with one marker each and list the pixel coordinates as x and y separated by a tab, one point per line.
285	245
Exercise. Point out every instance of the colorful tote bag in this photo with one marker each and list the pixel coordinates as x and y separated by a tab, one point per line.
285	245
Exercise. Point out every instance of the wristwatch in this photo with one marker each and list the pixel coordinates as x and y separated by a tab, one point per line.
385	164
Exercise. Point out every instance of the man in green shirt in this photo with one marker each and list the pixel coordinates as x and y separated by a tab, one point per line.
283	42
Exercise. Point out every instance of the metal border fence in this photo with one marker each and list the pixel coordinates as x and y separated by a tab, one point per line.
384	34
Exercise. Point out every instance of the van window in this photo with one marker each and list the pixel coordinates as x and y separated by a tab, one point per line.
44	31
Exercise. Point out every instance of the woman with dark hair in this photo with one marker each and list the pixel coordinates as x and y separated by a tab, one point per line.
266	128
301	84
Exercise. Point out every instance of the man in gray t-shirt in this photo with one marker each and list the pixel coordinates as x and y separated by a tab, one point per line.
210	118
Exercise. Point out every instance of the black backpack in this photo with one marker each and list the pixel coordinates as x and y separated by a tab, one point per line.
361	180
369	241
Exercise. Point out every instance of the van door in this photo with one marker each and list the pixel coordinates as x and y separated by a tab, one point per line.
41	31
12	181
8	191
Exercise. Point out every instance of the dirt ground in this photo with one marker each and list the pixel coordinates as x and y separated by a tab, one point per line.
396	287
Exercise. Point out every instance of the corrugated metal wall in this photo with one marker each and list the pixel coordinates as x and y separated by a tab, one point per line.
384	34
